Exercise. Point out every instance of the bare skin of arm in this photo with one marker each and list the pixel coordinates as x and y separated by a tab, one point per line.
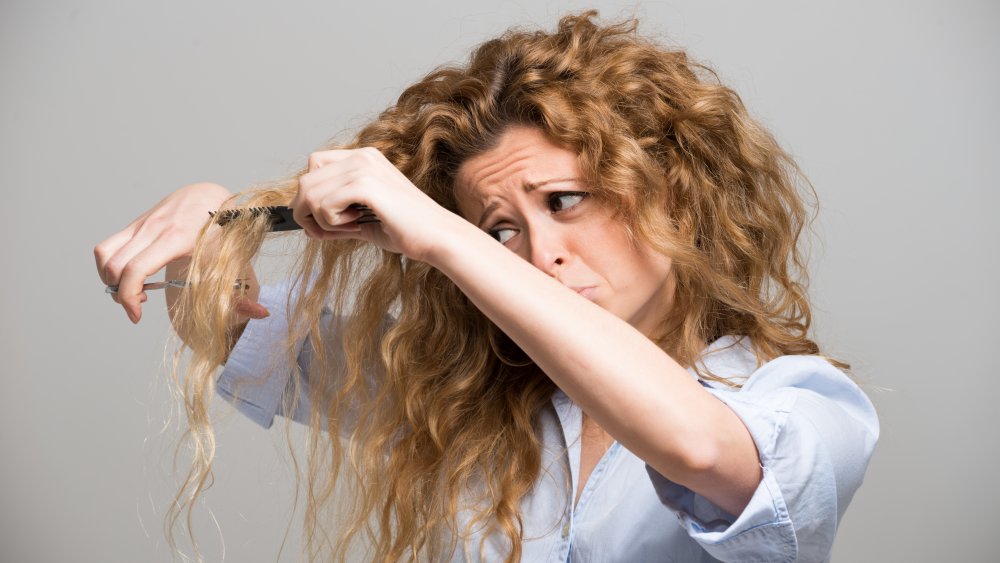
628	385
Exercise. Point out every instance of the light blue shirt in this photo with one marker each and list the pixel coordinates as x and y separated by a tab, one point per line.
815	431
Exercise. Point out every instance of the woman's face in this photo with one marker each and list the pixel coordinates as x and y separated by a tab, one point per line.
527	194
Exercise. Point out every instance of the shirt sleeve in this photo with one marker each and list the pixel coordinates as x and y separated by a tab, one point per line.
815	431
258	378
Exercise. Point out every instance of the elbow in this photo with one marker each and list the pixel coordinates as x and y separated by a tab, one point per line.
699	459
688	463
726	476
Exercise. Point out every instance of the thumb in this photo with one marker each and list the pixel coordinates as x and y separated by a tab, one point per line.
252	309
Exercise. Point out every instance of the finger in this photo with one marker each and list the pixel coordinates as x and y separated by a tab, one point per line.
313	230
317	218
340	200
107	248
316	186
323	201
114	297
115	266
147	261
130	293
354	233
329	220
249	308
308	224
351	167
320	159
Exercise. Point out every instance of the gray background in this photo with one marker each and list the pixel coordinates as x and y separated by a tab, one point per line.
105	107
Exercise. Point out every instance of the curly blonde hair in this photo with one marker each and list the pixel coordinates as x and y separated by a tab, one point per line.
435	409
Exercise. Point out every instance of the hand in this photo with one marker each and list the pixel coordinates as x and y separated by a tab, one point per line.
160	236
411	222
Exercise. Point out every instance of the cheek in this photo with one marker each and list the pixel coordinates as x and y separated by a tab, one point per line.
619	266
649	272
657	267
603	251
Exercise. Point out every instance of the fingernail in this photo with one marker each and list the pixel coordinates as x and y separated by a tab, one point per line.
131	316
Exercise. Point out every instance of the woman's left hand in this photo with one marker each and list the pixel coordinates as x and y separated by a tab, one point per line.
411	223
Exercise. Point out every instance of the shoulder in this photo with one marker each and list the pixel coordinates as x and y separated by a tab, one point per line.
733	359
802	383
815	431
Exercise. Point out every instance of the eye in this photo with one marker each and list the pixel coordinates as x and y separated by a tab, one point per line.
503	234
561	201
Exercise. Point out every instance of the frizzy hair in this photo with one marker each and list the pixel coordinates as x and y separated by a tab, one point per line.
436	408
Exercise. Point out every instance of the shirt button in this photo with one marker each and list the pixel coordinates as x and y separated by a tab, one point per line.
565	531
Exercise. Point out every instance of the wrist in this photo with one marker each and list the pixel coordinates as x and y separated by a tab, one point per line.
456	234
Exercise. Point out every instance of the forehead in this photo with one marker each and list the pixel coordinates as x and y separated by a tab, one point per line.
523	158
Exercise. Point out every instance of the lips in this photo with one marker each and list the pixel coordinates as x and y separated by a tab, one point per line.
585	291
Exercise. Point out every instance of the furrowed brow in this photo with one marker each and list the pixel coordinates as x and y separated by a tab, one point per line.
528	188
486	213
532	186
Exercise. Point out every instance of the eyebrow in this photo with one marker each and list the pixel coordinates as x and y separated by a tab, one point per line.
532	186
528	188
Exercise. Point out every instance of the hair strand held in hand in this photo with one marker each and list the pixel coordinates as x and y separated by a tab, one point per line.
442	406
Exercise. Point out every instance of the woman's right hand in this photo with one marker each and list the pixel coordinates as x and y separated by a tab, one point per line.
164	234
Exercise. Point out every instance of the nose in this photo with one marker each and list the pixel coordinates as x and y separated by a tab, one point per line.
547	248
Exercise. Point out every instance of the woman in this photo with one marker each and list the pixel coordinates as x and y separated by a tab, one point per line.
580	318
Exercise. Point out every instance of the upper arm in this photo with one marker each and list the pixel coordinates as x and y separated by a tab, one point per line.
815	431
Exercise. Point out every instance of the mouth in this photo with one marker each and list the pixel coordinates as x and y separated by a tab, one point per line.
586	291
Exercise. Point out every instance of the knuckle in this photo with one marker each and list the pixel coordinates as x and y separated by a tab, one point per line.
327	215
153	223
113	270
174	237
132	268
300	208
317	159
309	199
359	157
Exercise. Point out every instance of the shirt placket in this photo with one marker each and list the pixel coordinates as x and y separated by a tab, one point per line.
571	419
570	422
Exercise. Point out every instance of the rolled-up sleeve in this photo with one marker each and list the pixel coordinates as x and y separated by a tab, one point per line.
257	377
815	431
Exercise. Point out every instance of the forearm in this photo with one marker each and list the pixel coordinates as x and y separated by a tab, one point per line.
618	376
